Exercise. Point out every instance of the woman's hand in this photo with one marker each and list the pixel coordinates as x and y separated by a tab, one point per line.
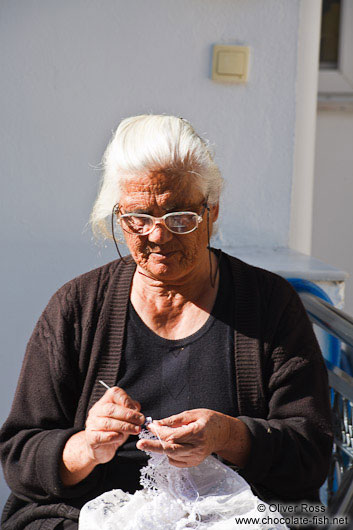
188	438
109	423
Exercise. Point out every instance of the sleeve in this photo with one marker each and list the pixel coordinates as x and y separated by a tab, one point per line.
42	415
291	447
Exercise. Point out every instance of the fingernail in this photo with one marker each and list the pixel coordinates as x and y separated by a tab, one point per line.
137	429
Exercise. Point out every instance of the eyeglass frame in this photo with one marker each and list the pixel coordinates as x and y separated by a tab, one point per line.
116	211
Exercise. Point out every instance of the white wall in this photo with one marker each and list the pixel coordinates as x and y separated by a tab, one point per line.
333	194
71	70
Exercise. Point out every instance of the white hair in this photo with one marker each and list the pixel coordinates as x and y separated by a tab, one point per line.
153	143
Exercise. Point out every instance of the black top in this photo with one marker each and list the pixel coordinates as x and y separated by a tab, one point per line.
281	388
171	376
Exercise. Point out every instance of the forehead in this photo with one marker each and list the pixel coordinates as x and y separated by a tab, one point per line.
160	190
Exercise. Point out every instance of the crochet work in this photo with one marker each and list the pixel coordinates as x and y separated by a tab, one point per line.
207	496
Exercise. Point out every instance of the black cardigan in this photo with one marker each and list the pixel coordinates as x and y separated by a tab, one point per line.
281	384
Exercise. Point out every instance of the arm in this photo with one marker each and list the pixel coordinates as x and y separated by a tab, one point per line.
291	446
109	424
42	415
43	455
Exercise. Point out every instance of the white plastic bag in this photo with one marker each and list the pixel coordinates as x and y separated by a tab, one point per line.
207	496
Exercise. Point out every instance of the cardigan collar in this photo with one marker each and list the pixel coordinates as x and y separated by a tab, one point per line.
112	322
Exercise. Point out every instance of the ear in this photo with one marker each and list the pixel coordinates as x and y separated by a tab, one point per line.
214	211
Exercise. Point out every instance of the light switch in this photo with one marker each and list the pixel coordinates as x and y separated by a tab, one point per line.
230	63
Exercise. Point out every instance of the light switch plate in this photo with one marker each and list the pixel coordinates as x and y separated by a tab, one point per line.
230	63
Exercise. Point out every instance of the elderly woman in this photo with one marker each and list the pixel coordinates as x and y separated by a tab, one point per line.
219	350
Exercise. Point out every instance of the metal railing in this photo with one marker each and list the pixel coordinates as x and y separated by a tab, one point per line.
329	318
340	325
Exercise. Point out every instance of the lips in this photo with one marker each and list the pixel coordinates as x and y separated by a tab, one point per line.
162	254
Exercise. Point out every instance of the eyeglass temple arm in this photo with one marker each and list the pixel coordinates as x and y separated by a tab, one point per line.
114	211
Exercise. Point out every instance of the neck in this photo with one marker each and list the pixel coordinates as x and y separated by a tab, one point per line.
175	309
195	287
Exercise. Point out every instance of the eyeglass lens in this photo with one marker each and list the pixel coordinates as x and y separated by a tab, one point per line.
179	223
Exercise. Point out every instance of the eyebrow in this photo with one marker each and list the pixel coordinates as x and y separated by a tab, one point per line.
169	209
136	210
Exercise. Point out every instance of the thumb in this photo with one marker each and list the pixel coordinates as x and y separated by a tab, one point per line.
178	420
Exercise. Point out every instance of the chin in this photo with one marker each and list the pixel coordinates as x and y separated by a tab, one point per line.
166	269
165	272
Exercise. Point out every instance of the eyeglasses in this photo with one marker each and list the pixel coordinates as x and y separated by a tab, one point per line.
143	224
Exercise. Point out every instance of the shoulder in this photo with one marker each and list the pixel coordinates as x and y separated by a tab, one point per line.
260	283
89	289
266	301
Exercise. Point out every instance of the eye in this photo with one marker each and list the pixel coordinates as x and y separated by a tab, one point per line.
135	221
136	224
182	222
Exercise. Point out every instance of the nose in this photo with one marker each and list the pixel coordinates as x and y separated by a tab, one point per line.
160	234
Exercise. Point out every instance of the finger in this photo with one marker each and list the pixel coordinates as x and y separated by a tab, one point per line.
161	432
177	420
137	405
111	410
185	433
97	438
176	451
154	446
180	463
177	434
113	425
120	397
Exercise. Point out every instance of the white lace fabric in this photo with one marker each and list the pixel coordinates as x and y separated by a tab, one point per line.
207	496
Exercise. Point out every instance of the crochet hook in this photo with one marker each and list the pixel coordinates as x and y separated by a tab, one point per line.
148	418
104	384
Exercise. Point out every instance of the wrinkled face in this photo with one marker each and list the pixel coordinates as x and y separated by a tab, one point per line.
162	254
